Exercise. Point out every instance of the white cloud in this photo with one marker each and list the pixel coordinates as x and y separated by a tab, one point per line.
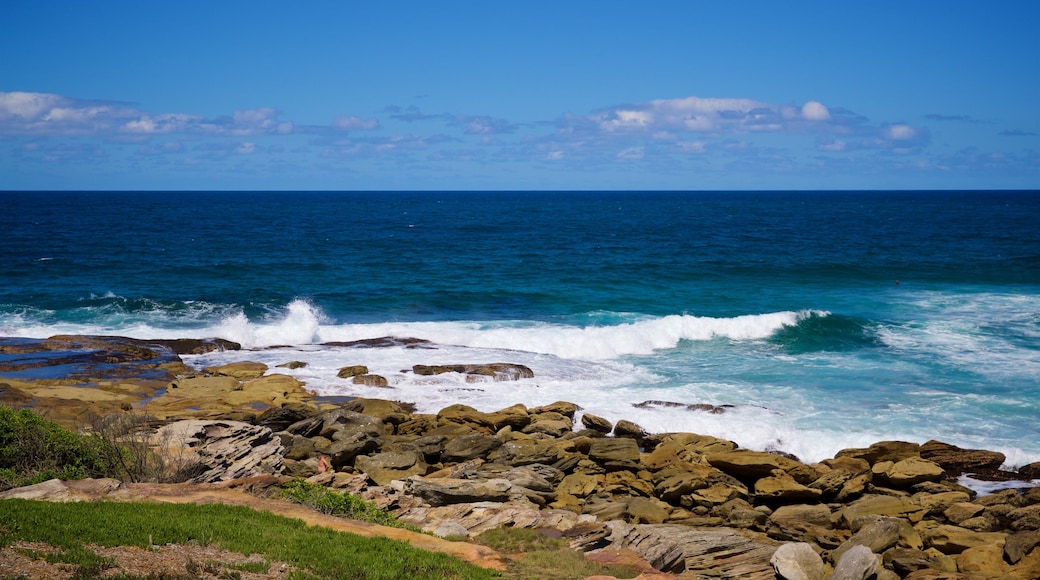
247	148
815	111
27	105
354	123
632	153
900	132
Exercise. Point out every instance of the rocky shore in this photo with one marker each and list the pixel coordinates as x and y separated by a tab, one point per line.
691	505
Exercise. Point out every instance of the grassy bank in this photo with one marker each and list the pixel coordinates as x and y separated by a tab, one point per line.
322	553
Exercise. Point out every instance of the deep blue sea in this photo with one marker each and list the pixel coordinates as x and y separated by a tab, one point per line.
827	319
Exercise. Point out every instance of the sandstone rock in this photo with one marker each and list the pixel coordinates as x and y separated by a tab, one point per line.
344	450
956	461
1025	518
751	465
858	563
642	510
64	491
352	371
961	511
242	371
596	423
329	423
580	484
450	528
882	505
673	484
983	562
515	417
385	411
370	380
630	430
493	371
386	467
562	407
797	561
881	535
805	523
279	418
518	453
549	423
209	451
937	503
911	471
784	489
1019	544
615	452
444	491
883	451
293	364
469	446
954	539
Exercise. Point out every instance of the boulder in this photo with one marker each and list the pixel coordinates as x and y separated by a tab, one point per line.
352	371
956	461
955	539
883	451
1019	544
445	491
797	561
880	535
882	505
983	562
858	563
910	471
210	451
279	418
630	430
596	423
329	423
783	488
751	465
961	511
344	450
383	468
615	452
371	380
492	371
469	446
641	510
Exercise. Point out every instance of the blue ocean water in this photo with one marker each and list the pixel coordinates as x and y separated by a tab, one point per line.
827	319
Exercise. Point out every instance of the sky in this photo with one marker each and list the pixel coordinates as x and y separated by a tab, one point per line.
397	95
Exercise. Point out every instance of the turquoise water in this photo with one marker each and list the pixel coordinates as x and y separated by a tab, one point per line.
829	319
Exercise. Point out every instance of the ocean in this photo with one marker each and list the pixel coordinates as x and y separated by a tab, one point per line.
808	321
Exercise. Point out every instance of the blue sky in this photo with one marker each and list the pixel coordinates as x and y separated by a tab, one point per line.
526	95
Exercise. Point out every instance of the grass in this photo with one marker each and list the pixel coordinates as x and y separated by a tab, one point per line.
542	557
320	552
336	503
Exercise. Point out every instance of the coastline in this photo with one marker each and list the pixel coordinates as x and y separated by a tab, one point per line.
681	501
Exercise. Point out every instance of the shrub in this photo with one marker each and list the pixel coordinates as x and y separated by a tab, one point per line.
33	449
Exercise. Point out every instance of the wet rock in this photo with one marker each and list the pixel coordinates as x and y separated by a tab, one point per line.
370	380
243	371
957	461
596	423
630	430
494	371
351	371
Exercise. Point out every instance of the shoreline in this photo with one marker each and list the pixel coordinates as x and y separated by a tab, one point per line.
115	374
681	501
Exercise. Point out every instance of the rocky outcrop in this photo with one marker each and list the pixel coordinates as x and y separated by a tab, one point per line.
211	451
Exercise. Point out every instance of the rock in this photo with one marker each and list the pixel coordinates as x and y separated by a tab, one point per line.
797	561
580	484
620	452
954	539
562	407
209	451
243	371
961	511
883	451
672	484
352	371
630	430
858	563
64	491
344	450
956	461
882	505
641	510
911	471
983	562
495	371
549	423
1025	518
279	418
784	489
370	380
329	423
386	467
881	535
751	465
805	523
450	528
937	503
1030	471
596	423
385	411
444	491
469	446
293	364
715	553
1019	544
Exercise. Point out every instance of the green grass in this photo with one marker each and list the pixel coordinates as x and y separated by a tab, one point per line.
321	552
337	503
546	558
